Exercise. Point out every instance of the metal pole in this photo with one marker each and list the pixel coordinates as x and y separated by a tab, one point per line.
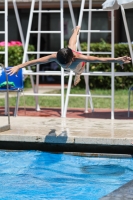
112	66
38	50
6	47
62	45
67	94
127	32
22	40
7	100
88	49
8	110
80	20
18	22
73	21
28	31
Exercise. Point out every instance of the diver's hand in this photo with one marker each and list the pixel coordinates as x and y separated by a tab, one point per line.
12	70
123	60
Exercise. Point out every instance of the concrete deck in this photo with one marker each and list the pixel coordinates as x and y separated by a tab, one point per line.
123	193
79	131
68	134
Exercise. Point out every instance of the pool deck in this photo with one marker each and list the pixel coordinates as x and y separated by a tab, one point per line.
46	130
79	131
122	193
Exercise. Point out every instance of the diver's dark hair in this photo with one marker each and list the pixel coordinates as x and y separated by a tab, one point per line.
64	55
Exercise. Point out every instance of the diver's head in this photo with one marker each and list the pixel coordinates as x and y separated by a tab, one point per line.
65	55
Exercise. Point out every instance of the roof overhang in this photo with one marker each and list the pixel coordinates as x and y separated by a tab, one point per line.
49	3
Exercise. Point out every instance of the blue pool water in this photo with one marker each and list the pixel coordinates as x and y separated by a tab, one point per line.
35	175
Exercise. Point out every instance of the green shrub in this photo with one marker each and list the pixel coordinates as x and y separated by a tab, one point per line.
15	54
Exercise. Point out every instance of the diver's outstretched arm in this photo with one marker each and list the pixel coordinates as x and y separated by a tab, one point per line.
45	59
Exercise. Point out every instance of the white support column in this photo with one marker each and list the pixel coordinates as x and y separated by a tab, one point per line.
73	22
18	23
21	36
68	93
38	50
6	32
72	13
86	78
28	31
81	12
87	64
22	39
6	47
62	45
112	67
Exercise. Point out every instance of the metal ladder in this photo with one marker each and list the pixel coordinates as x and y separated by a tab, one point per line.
5	52
88	52
5	31
38	52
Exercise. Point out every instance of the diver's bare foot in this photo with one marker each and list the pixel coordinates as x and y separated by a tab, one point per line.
77	28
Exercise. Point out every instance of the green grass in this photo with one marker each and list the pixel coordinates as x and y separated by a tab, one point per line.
121	100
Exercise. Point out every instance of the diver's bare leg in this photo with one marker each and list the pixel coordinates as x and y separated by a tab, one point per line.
73	38
72	45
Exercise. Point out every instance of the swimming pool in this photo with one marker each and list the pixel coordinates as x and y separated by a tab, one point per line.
35	175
